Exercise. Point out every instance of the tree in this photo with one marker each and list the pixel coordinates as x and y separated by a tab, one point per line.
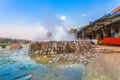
72	31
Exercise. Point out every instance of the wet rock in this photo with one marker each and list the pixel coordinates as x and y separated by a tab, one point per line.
49	61
25	77
56	74
60	47
64	51
15	46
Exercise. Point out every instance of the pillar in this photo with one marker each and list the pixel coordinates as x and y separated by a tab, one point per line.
93	35
83	34
104	33
112	30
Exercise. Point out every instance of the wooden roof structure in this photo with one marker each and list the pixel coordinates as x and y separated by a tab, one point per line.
114	16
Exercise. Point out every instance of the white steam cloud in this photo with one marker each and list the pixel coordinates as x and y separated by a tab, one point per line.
60	33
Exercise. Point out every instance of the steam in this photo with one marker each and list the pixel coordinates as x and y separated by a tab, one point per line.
50	27
60	33
42	25
59	30
41	35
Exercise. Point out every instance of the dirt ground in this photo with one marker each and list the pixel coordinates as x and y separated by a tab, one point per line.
105	66
111	47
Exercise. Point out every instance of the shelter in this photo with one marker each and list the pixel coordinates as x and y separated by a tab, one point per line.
102	28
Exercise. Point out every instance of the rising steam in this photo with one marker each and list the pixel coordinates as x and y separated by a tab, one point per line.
58	33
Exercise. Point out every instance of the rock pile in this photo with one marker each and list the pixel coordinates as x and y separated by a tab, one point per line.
62	52
61	47
15	46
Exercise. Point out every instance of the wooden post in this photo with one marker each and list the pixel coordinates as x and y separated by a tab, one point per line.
83	34
104	33
112	30
93	35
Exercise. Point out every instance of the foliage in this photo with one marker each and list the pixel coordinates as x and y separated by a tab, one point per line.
9	41
3	46
72	31
26	42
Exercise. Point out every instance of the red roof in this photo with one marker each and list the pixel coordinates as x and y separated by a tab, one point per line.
116	10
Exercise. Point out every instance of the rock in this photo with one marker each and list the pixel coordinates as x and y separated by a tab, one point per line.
25	77
36	52
15	46
71	51
45	56
49	61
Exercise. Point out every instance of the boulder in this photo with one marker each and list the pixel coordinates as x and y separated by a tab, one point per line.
15	46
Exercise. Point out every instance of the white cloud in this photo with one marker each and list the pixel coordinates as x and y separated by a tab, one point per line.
63	18
66	22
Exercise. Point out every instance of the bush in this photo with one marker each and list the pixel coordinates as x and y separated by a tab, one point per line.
3	46
25	42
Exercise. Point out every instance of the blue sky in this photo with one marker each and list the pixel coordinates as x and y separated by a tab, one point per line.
29	18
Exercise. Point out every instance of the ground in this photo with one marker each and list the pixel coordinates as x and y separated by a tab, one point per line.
111	47
104	67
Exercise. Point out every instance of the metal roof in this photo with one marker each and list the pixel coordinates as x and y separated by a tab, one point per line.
101	22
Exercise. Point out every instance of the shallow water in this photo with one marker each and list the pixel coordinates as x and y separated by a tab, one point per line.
17	65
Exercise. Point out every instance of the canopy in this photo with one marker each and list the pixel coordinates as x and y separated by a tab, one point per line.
103	21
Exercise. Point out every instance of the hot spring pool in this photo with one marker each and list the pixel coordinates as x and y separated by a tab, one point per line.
17	65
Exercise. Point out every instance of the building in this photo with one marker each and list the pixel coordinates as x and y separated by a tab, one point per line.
105	27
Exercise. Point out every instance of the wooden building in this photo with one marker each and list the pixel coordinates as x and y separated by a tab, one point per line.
105	27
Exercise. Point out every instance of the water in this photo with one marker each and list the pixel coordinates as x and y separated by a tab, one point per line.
17	65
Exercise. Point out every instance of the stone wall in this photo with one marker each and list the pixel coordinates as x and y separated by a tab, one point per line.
59	47
62	52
